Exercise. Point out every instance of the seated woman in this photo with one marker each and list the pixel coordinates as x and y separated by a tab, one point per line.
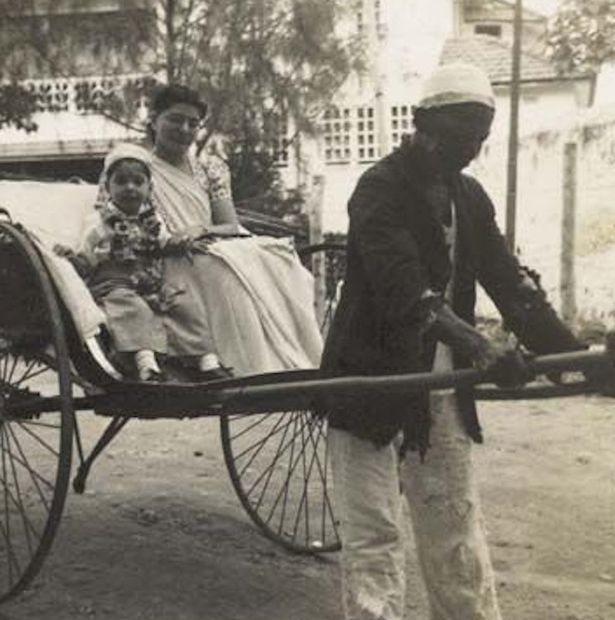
253	291
120	256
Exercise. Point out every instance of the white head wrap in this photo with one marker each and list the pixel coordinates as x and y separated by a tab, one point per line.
456	83
125	150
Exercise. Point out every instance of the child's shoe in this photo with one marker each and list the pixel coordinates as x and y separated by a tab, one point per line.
147	367
151	375
214	374
211	369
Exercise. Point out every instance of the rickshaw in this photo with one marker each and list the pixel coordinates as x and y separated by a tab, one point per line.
274	445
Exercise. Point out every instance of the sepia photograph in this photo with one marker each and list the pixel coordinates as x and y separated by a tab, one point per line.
307	309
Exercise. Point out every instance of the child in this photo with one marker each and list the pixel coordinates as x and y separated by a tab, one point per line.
121	259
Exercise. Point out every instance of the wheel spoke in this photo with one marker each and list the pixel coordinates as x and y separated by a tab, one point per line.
13	562
285	485
32	375
261	442
278	455
322	471
269	475
262	420
41	441
303	497
281	450
18	506
292	465
26	522
13	379
31	471
8	373
39	423
327	508
307	474
7	531
306	478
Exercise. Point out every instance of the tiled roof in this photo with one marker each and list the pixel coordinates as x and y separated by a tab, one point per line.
487	10
495	57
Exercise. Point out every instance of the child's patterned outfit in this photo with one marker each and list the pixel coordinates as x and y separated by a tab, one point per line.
121	258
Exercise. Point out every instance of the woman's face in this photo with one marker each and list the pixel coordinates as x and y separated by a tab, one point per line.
176	127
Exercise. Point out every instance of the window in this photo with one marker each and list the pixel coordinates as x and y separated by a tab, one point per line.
375	18
492	30
377	12
337	127
400	122
281	143
366	134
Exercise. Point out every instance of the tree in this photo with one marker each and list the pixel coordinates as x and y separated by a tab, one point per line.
59	38
17	105
581	36
258	63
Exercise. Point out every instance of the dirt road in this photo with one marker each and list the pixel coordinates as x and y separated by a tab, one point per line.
159	534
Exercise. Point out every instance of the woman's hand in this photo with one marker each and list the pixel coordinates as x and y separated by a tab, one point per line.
181	245
196	232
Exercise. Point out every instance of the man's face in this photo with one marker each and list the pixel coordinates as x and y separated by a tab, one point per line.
459	132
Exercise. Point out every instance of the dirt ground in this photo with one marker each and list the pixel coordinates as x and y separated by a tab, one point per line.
160	535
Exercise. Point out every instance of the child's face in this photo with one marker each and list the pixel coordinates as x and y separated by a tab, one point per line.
129	185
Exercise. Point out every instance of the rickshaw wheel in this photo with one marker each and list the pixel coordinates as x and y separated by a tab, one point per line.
279	467
278	462
35	448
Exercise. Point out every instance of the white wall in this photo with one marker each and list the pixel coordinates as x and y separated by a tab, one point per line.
540	202
542	105
605	86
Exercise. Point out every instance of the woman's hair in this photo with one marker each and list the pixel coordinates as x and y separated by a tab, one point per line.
167	95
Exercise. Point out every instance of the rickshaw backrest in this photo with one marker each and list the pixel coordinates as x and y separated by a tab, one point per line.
22	311
56	212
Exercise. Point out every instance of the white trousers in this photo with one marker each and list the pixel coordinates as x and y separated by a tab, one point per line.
446	519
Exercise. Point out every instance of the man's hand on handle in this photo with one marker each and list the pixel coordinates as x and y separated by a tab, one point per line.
506	365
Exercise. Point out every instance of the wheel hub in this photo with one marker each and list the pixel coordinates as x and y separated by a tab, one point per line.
11	397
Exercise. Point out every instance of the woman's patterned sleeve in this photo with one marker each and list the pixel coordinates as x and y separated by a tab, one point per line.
219	178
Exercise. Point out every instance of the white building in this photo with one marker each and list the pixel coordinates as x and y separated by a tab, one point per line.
407	42
71	139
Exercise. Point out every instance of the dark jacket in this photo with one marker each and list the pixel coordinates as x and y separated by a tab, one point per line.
396	250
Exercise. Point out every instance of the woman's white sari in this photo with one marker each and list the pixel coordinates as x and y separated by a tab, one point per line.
255	293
